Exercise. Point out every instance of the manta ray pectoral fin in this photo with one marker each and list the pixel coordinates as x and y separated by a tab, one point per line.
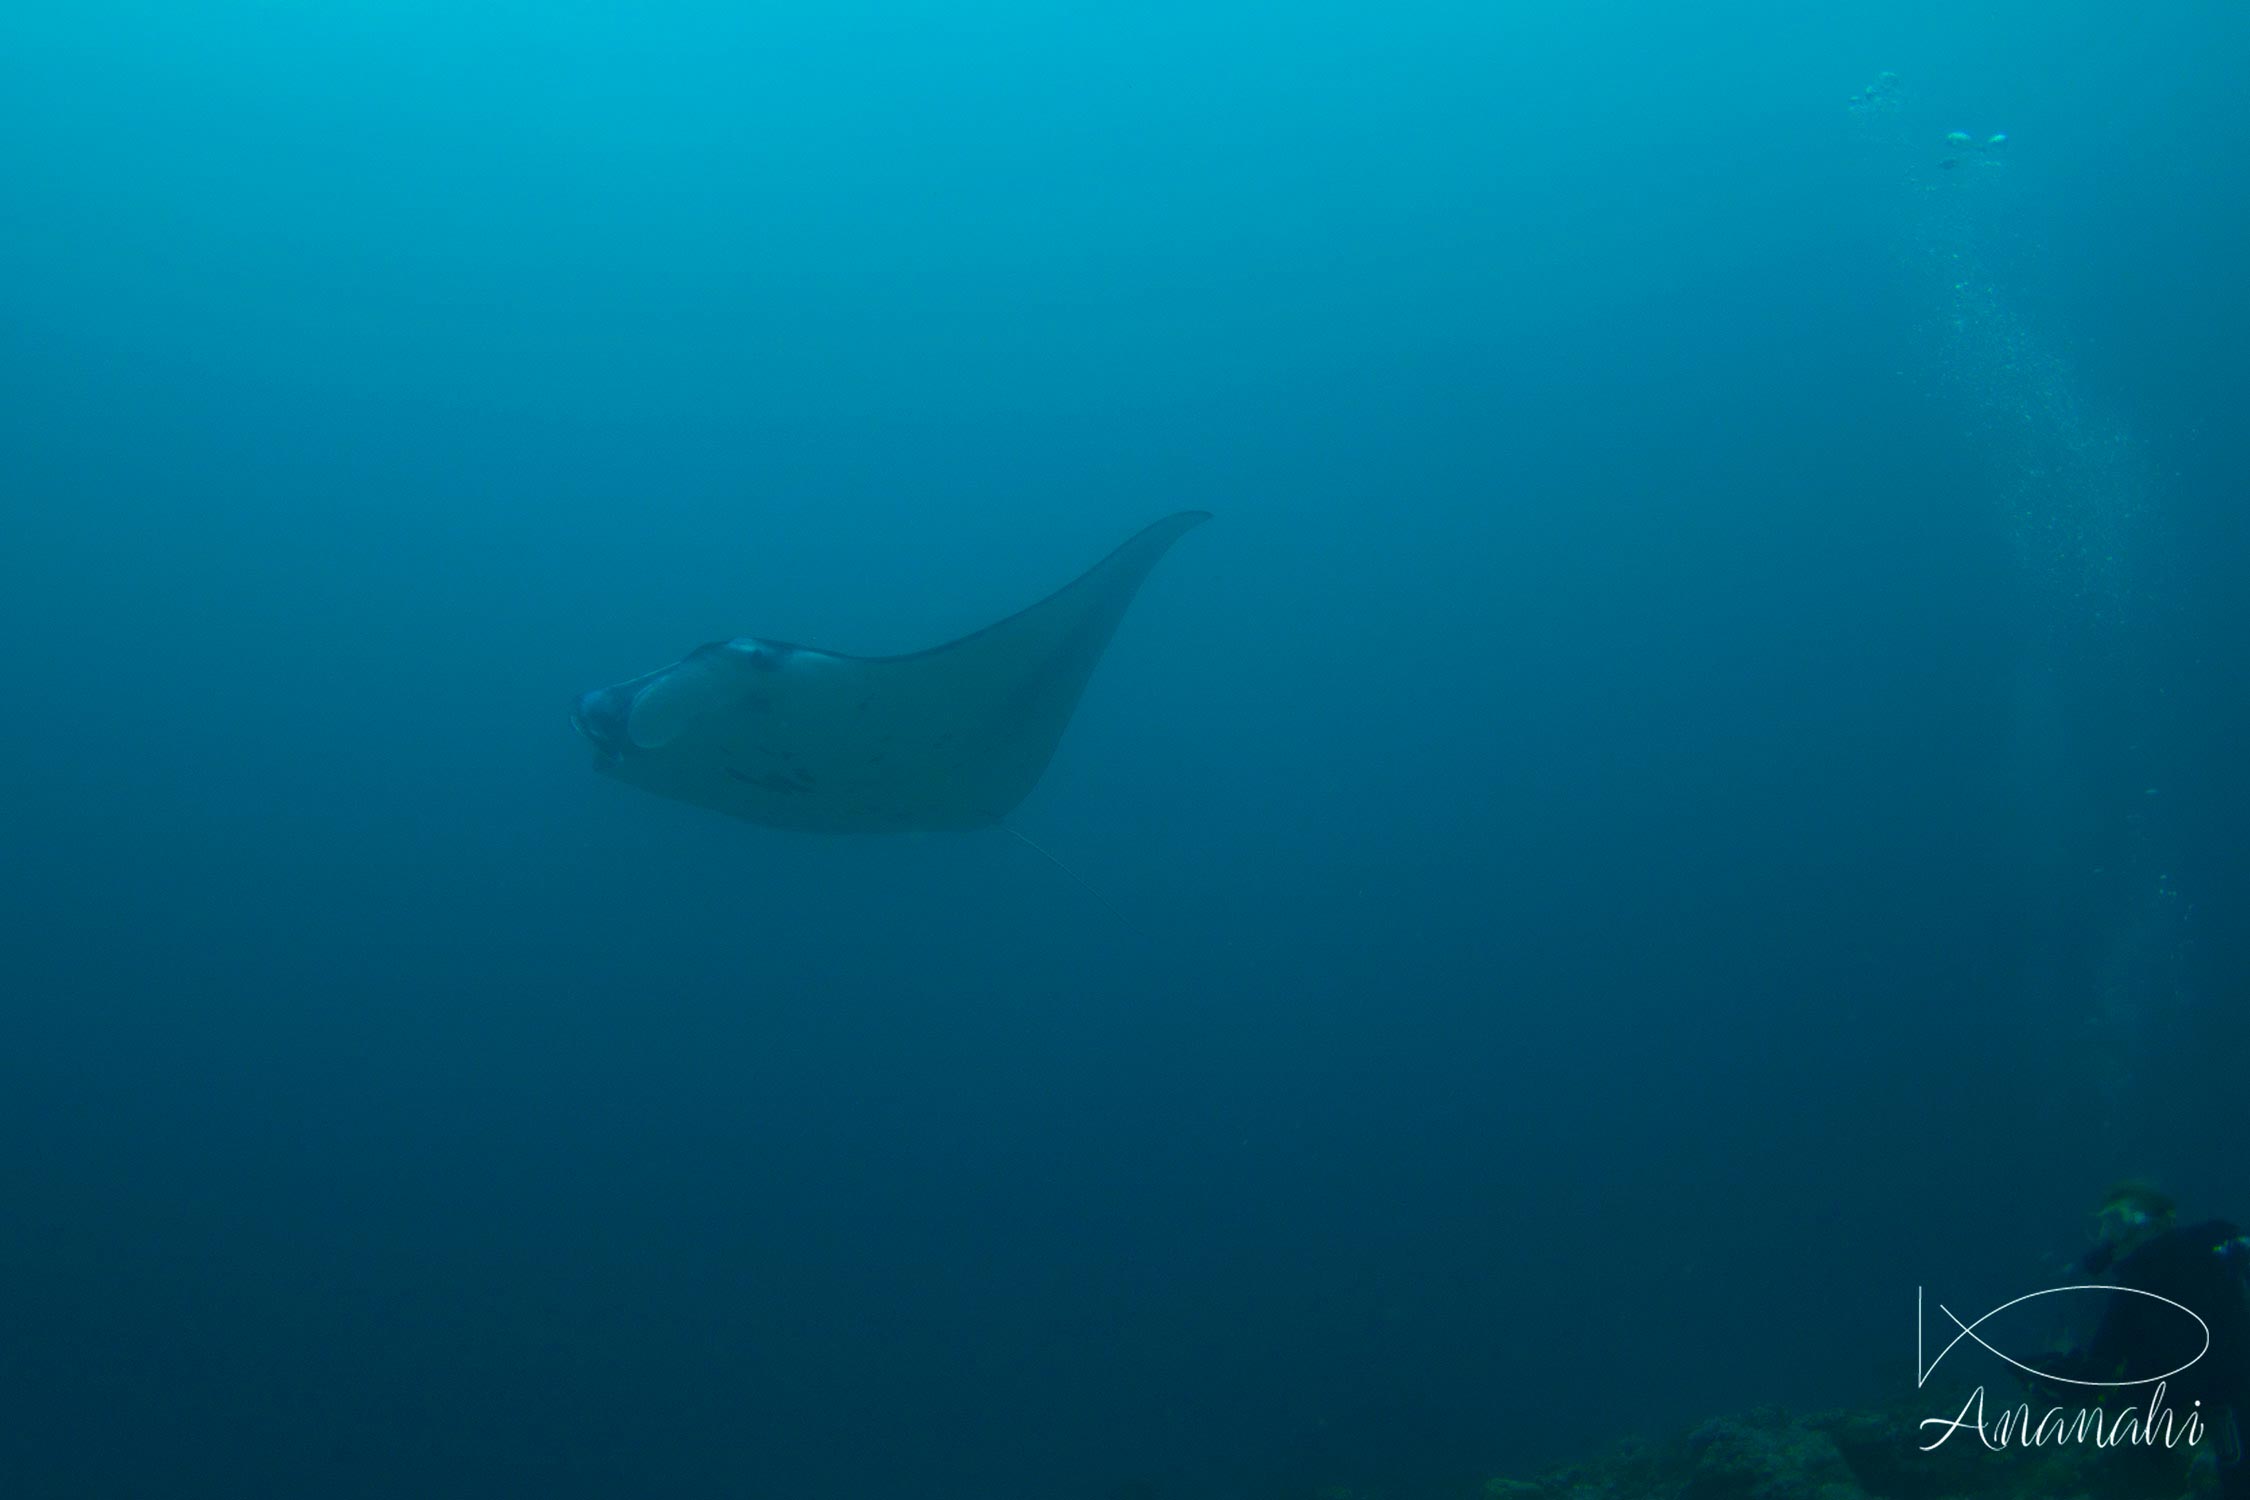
1011	688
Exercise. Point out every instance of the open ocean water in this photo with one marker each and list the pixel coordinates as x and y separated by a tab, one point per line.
1692	786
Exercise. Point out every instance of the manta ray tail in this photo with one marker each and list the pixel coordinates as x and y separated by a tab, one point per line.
1072	875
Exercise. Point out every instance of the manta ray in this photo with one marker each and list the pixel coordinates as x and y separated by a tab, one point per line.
949	738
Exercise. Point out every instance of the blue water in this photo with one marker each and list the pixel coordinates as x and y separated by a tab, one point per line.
1691	788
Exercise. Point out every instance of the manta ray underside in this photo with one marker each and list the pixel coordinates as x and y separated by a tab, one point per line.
951	737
